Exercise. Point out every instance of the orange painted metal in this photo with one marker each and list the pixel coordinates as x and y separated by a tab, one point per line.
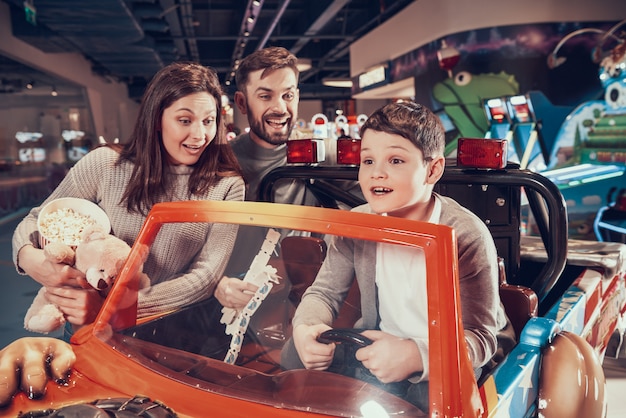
102	371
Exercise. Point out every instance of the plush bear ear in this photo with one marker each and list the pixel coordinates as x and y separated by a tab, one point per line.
92	233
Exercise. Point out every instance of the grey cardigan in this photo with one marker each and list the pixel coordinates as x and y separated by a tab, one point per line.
483	314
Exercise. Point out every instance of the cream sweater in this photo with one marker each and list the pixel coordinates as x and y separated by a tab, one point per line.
186	260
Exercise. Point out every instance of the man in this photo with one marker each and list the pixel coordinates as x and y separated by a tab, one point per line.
267	93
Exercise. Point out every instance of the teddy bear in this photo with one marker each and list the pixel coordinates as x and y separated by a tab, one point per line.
99	255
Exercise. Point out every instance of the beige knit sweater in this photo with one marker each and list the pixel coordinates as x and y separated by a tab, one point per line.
186	259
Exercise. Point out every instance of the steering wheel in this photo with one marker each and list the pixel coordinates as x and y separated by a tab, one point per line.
348	342
345	362
344	336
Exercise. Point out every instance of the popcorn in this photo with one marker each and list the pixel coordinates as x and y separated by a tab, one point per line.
64	225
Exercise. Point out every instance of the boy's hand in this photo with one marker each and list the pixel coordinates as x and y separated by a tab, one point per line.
23	365
390	358
313	354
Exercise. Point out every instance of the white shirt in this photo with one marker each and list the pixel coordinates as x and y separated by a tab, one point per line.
401	282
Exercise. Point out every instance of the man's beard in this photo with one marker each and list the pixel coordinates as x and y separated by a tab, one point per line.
257	126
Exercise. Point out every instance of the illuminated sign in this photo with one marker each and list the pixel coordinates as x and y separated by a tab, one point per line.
373	76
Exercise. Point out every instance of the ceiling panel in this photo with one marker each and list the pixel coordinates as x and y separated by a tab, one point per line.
130	40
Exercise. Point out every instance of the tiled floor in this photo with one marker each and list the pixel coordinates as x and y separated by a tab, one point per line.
18	291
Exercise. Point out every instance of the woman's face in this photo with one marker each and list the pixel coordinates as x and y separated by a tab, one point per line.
188	126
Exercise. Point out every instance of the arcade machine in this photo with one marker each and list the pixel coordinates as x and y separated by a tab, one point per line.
512	118
31	149
76	144
28	186
341	126
525	137
596	144
356	128
610	222
499	122
588	158
319	123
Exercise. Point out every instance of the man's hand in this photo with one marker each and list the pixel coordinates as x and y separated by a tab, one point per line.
28	363
313	354
390	358
234	293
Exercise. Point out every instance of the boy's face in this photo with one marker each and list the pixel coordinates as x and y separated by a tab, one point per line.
271	105
394	177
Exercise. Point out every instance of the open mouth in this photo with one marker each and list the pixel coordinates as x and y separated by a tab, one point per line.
192	147
379	191
277	123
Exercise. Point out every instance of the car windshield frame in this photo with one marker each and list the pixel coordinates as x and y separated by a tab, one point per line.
450	367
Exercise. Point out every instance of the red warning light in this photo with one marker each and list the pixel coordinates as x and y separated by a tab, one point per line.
481	153
348	151
305	151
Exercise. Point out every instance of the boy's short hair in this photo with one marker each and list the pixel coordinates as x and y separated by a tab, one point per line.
412	121
267	59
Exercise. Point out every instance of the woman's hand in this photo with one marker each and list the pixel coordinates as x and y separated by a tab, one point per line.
48	273
23	366
234	293
313	354
79	306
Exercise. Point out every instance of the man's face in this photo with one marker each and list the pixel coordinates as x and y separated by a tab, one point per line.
271	105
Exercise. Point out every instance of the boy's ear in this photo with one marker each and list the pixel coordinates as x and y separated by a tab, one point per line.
436	167
240	101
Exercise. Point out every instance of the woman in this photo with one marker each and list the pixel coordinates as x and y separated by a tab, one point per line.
177	151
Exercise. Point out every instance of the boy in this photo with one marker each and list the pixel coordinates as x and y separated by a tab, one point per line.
402	159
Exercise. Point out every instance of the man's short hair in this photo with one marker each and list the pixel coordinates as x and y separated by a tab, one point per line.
267	59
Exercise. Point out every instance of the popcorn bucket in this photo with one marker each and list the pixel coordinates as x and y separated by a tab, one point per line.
63	220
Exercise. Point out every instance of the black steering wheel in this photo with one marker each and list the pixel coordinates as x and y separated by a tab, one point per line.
344	336
345	362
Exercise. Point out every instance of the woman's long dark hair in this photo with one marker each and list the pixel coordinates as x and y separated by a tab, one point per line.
150	180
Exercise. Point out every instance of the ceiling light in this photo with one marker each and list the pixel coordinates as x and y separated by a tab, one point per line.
250	19
256	3
29	85
304	64
337	82
54	91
